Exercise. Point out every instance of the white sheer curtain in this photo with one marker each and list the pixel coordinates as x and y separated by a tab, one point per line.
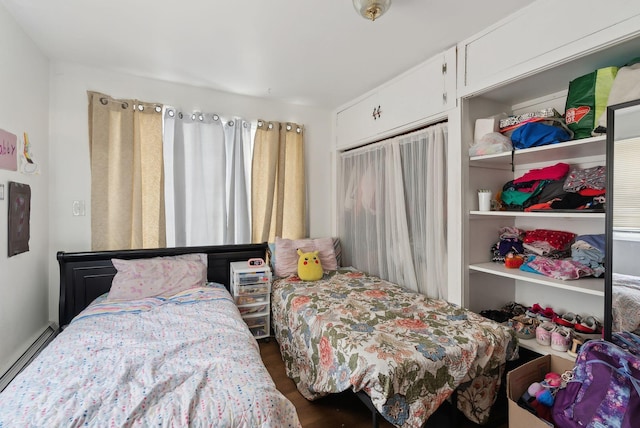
392	210
206	197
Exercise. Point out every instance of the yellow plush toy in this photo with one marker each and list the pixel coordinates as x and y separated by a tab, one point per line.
309	266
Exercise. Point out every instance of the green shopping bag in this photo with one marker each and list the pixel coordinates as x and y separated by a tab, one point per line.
587	99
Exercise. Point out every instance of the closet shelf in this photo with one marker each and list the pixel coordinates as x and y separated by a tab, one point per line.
534	346
588	285
586	147
546	214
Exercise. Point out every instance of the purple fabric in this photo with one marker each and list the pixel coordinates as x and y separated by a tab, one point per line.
604	391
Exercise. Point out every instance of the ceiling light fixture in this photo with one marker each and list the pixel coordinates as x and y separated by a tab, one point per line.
371	9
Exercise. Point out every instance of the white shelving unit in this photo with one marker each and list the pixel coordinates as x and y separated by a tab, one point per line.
251	290
490	285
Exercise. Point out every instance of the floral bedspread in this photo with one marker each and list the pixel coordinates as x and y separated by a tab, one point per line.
189	360
406	351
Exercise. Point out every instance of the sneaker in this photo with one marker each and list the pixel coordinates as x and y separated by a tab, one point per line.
561	339
567	320
589	325
534	310
547	314
543	333
524	326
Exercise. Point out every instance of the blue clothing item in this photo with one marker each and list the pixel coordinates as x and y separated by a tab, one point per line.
510	245
587	256
596	241
535	134
525	267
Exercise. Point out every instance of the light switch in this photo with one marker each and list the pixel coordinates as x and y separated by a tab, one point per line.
78	208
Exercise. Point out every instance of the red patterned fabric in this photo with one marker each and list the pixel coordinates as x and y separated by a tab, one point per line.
556	238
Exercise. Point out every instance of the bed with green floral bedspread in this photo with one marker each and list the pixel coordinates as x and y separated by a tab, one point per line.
406	351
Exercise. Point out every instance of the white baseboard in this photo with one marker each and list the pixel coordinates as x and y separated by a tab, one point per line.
43	340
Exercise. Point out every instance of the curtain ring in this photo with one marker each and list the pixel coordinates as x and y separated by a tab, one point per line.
180	115
298	130
271	126
230	123
193	116
216	117
104	101
171	113
140	107
125	105
158	109
288	127
260	123
245	125
201	118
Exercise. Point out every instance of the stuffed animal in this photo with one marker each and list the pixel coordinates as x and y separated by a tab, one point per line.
309	266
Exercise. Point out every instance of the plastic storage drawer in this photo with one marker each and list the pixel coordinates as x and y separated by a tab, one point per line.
253	309
251	290
243	278
259	321
247	299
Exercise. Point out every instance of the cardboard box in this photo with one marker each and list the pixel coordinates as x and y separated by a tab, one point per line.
518	380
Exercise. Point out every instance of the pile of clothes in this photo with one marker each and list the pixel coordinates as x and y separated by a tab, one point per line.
553	253
556	187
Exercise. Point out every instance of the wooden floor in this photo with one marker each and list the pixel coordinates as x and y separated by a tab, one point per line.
343	410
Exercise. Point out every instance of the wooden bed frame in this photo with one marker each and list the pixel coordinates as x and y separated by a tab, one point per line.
87	275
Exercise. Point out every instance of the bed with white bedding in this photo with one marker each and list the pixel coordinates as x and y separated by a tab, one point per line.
183	360
625	303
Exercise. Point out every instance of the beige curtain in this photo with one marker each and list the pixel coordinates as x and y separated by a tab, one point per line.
127	202
278	189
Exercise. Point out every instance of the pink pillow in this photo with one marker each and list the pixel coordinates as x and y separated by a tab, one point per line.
287	256
158	276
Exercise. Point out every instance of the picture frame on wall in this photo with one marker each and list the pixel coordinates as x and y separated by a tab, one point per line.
19	217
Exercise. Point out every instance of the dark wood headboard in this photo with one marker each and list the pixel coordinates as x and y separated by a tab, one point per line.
87	275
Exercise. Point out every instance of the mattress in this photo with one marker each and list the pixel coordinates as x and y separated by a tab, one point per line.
406	351
186	360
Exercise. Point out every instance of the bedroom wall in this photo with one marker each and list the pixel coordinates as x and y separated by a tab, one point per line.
24	106
70	179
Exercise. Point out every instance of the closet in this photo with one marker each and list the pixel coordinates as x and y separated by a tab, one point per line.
493	81
406	102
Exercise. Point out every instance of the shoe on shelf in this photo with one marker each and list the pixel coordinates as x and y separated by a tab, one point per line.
567	320
588	325
514	309
561	339
547	314
497	316
543	314
524	326
543	333
534	310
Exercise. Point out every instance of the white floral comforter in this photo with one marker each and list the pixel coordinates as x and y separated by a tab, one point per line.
406	351
184	361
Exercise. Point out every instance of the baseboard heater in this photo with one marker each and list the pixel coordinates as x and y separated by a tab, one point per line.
43	340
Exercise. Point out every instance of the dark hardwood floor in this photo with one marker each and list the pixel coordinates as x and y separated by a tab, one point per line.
343	410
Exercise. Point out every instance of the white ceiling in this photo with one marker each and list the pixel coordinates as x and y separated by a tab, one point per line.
318	53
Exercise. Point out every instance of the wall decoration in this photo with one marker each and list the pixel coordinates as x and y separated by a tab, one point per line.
8	150
19	215
28	164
